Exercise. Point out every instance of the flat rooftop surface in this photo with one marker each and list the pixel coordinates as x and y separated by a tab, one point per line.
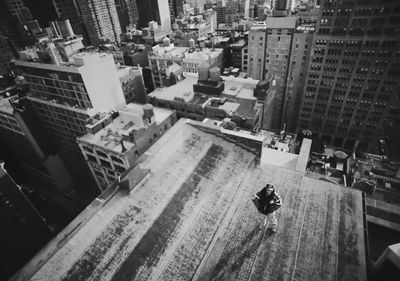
191	218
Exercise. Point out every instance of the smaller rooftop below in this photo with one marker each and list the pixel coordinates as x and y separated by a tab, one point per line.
108	130
281	22
5	105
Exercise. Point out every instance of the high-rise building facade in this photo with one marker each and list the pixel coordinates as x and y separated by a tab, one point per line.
154	10
353	75
175	8
296	74
256	51
96	20
68	9
19	10
127	13
101	20
277	53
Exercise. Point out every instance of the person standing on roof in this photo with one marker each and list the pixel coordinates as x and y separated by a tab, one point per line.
269	201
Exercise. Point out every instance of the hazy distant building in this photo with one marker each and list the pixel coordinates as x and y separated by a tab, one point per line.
19	10
6	55
154	10
115	140
353	76
101	20
12	20
229	11
175	8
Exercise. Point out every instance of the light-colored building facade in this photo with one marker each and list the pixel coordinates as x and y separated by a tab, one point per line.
256	51
65	94
115	140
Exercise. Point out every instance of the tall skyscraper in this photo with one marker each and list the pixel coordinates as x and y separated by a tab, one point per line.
175	8
279	34
353	76
96	20
284	5
101	20
127	13
296	74
132	11
154	10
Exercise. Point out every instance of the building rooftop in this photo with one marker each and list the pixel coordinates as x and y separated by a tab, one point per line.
170	51
130	119
190	217
260	26
204	54
238	91
283	142
76	61
126	73
240	43
5	105
305	28
281	22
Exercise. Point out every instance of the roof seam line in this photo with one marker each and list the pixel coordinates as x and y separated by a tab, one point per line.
298	241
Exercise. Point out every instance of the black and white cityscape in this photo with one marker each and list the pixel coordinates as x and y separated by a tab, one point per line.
200	140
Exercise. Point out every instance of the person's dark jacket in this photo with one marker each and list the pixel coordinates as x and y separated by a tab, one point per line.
268	203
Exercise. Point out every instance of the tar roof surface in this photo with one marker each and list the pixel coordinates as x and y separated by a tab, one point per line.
191	218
